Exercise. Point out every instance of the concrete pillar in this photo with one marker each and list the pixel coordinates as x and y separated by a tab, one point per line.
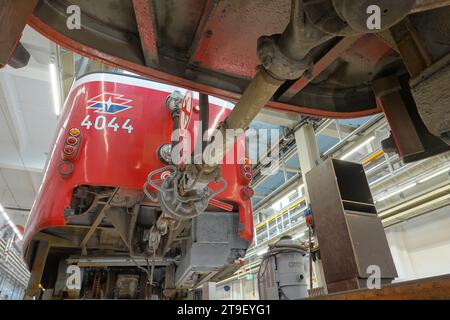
309	157
307	150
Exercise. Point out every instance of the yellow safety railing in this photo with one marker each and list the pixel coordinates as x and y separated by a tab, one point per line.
373	156
262	224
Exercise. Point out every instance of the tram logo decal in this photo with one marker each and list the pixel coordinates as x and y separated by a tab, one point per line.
109	103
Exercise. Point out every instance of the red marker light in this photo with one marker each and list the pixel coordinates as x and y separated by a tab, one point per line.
74	132
69	150
245	174
72	140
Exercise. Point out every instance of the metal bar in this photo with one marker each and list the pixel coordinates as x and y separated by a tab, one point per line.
319	67
291	206
37	269
372	156
104	261
412	50
285	187
97	221
204	118
323	126
255	97
18	209
143	10
291	152
338	130
121	221
201	35
221	205
388	161
359	130
13	18
407	138
283	166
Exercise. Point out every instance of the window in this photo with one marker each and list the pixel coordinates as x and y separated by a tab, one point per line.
293	196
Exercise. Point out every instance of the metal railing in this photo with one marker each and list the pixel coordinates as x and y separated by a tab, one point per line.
283	220
11	265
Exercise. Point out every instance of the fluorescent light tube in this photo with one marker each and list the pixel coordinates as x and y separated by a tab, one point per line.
12	225
54	80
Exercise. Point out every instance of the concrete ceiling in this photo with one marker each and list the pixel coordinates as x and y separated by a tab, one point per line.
27	125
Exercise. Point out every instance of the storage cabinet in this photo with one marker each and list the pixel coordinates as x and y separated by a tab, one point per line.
350	234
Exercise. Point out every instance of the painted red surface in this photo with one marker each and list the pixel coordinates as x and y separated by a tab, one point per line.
206	60
114	157
228	43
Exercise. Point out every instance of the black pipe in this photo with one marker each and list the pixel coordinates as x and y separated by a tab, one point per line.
204	118
176	125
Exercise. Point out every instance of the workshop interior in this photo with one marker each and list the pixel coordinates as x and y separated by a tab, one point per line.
225	150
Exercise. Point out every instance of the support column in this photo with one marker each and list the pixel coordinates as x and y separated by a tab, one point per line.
309	157
37	270
307	150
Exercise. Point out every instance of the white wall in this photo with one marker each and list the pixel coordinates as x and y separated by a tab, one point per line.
241	289
421	246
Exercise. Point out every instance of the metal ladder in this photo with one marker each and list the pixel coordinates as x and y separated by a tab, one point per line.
96	286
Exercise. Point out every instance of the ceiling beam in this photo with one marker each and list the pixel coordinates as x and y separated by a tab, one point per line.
20	167
145	17
13	18
278	118
12	111
332	55
332	132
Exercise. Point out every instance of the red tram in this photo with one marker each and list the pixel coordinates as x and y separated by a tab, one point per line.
97	229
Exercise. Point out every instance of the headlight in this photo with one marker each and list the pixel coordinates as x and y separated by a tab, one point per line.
165	153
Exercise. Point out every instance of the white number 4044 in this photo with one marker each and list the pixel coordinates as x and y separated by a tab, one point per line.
101	123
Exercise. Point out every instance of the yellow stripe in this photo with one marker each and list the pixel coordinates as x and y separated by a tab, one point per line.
373	156
280	213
